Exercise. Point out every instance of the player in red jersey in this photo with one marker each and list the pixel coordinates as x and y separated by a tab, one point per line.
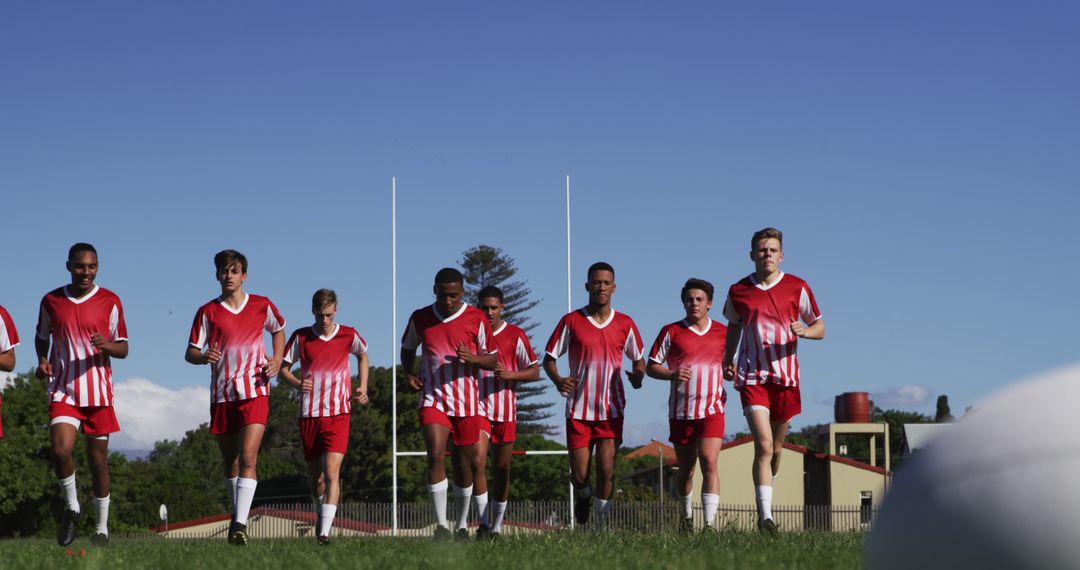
498	414
763	312
9	339
80	329
227	334
454	341
690	354
597	337
325	382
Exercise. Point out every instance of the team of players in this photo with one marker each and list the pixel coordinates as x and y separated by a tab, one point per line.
469	363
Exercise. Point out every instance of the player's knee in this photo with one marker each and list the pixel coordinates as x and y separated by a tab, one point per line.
763	448
708	465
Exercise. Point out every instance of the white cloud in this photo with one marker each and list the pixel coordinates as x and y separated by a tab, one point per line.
149	413
903	397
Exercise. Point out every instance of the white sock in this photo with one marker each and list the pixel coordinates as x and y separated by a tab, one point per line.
245	493
463	495
230	484
602	506
482	507
774	476
70	496
102	514
327	519
500	510
687	506
711	503
438	498
764	501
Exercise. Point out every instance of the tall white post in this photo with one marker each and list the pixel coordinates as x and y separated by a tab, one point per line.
393	347
569	307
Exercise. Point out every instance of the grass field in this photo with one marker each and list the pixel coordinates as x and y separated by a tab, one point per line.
562	550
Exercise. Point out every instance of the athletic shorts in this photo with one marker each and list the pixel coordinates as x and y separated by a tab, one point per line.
499	433
684	432
92	420
324	435
583	433
231	417
782	402
464	430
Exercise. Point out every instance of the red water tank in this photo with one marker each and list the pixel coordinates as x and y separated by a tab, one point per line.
852	407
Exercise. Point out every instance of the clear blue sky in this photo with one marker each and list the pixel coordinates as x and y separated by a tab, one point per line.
922	160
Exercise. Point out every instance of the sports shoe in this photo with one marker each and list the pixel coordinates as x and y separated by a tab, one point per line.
483	532
99	539
238	534
461	535
768	526
442	534
324	540
582	508
495	537
69	524
686	526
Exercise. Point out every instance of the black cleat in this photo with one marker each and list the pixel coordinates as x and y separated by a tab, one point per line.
483	532
69	524
768	526
582	508
442	534
461	535
686	526
324	540
238	534
99	539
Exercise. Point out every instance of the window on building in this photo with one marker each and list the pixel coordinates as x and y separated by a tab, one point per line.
866	506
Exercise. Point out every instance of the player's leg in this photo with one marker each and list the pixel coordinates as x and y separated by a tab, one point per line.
779	433
332	496
708	453
250	439
462	454
315	469
579	454
97	455
62	433
480	483
761	432
686	456
501	456
435	435
605	476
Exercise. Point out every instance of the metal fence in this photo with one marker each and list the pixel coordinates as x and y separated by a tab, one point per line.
297	520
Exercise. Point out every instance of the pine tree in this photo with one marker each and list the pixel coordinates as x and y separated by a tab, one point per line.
943	414
484	265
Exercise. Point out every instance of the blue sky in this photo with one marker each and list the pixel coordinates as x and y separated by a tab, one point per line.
921	159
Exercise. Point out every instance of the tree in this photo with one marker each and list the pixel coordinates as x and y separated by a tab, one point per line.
484	265
943	414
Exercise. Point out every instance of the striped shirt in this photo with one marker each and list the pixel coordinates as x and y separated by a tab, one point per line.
238	334
498	398
326	360
681	345
449	385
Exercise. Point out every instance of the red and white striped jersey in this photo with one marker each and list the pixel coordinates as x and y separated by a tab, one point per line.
9	337
767	347
498	398
680	345
238	334
448	384
82	375
596	355
326	360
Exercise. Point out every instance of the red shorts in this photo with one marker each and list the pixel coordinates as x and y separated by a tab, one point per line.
782	403
582	433
324	435
93	420
683	432
231	417
499	433
464	430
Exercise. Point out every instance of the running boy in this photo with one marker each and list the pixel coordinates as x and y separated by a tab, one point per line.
9	339
763	312
80	329
227	334
323	351
689	354
597	337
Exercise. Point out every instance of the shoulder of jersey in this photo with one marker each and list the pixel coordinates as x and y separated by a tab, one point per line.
107	292
794	280
346	330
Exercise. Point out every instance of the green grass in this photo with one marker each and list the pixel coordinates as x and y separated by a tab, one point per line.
560	550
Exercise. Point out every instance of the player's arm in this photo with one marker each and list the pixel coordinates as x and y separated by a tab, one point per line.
273	363
636	373
287	375
118	349
485	361
660	372
44	368
408	360
565	384
730	344
7	360
360	395
816	330
527	374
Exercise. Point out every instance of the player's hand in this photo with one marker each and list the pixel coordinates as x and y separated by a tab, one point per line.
360	397
44	370
798	329
463	353
729	371
635	378
566	384
500	372
683	374
212	356
414	383
271	367
98	341
307	384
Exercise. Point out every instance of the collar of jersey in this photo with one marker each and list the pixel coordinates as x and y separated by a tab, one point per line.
584	311
67	293
754	280
451	317
337	327
230	309
695	331
500	329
